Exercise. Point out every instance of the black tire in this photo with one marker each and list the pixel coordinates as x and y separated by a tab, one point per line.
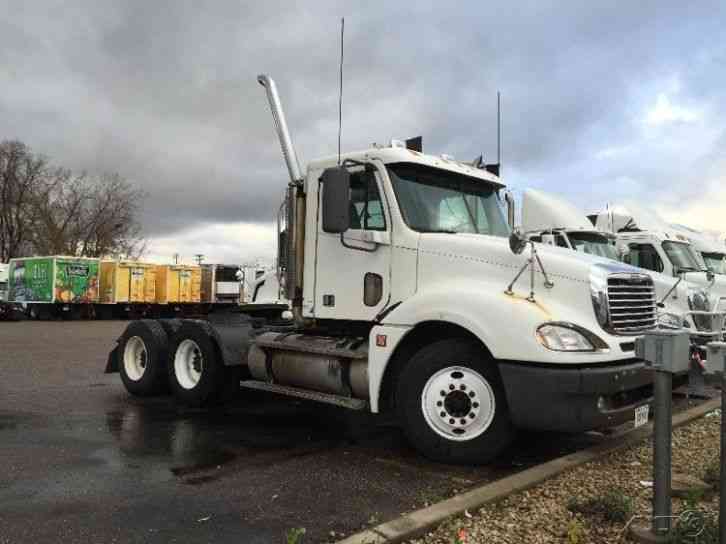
151	380
206	382
430	362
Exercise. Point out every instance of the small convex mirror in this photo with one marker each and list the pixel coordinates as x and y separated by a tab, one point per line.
517	242
336	199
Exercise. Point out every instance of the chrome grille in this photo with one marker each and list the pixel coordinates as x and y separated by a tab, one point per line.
631	303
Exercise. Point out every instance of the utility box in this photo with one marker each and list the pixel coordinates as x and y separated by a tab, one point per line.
716	357
667	351
128	281
54	279
178	283
220	283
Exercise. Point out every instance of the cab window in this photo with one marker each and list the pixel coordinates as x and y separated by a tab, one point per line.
366	208
644	256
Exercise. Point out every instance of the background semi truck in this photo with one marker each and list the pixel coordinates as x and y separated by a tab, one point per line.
707	247
647	241
410	294
552	220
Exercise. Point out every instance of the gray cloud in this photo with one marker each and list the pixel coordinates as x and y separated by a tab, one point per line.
165	93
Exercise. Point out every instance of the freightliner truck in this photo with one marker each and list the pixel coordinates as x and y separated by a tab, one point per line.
411	295
549	219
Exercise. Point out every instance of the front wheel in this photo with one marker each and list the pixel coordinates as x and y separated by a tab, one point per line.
452	404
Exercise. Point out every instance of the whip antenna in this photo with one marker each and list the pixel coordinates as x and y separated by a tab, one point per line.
340	94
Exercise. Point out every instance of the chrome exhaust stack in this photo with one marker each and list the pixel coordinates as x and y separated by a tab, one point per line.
278	117
295	207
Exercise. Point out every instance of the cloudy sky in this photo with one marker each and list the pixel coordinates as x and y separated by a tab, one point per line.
621	100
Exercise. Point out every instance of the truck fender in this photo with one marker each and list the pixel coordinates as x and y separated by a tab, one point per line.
500	327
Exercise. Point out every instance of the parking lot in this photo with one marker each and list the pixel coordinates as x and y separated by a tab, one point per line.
83	461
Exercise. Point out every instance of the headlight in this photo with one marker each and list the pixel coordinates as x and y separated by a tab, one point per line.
568	337
670	321
698	300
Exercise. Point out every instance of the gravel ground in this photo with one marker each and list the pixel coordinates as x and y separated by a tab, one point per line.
541	515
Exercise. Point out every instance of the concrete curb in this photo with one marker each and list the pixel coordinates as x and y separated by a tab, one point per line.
418	522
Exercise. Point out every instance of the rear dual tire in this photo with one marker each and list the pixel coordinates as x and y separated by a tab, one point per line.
196	372
142	351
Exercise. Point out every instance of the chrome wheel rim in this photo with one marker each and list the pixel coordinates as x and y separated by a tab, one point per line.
188	364
135	358
458	403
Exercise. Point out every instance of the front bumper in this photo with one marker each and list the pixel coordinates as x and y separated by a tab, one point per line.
575	399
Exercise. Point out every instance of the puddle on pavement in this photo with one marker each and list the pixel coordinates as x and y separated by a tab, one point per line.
190	443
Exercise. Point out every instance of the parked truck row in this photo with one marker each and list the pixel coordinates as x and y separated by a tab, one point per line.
690	291
411	294
74	287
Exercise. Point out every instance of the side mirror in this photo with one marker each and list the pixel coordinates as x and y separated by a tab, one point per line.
710	275
548	239
511	209
517	242
336	200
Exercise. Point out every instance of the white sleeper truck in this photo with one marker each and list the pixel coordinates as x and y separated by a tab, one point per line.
410	294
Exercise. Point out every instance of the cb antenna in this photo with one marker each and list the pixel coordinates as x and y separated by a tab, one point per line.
499	130
340	94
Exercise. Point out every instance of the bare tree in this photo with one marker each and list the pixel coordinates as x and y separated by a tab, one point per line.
87	216
21	173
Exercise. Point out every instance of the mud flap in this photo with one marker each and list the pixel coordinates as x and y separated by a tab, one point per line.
112	362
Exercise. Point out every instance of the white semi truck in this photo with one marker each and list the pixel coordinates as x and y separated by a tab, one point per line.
552	220
410	294
707	247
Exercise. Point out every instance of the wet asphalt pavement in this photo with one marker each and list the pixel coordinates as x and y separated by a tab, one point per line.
82	461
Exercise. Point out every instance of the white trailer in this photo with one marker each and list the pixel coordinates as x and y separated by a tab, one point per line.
409	296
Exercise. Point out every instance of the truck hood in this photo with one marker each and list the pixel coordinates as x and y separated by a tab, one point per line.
558	262
543	211
716	289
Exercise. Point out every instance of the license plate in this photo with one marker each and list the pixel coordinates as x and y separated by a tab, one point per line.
641	415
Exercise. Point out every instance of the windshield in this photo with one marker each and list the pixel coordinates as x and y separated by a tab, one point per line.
593	244
715	261
682	256
434	200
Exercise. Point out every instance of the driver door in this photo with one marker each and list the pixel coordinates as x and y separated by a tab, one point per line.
353	269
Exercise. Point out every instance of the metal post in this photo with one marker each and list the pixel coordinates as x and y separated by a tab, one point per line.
662	452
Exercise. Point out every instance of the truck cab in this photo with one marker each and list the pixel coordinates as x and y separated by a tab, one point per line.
647	241
711	253
411	294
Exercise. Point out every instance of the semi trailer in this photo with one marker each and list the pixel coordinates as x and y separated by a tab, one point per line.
410	294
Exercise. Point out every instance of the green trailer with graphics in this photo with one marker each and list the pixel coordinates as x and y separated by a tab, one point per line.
54	286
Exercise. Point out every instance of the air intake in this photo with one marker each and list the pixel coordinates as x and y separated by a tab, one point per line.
632	303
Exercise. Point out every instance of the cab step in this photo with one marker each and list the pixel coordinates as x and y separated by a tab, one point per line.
327	398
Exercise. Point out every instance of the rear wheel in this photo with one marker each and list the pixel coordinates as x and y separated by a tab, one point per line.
451	402
197	375
143	351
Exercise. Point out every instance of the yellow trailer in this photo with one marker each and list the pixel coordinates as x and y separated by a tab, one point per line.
128	281
177	283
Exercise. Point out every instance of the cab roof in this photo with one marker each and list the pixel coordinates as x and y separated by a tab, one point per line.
392	155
